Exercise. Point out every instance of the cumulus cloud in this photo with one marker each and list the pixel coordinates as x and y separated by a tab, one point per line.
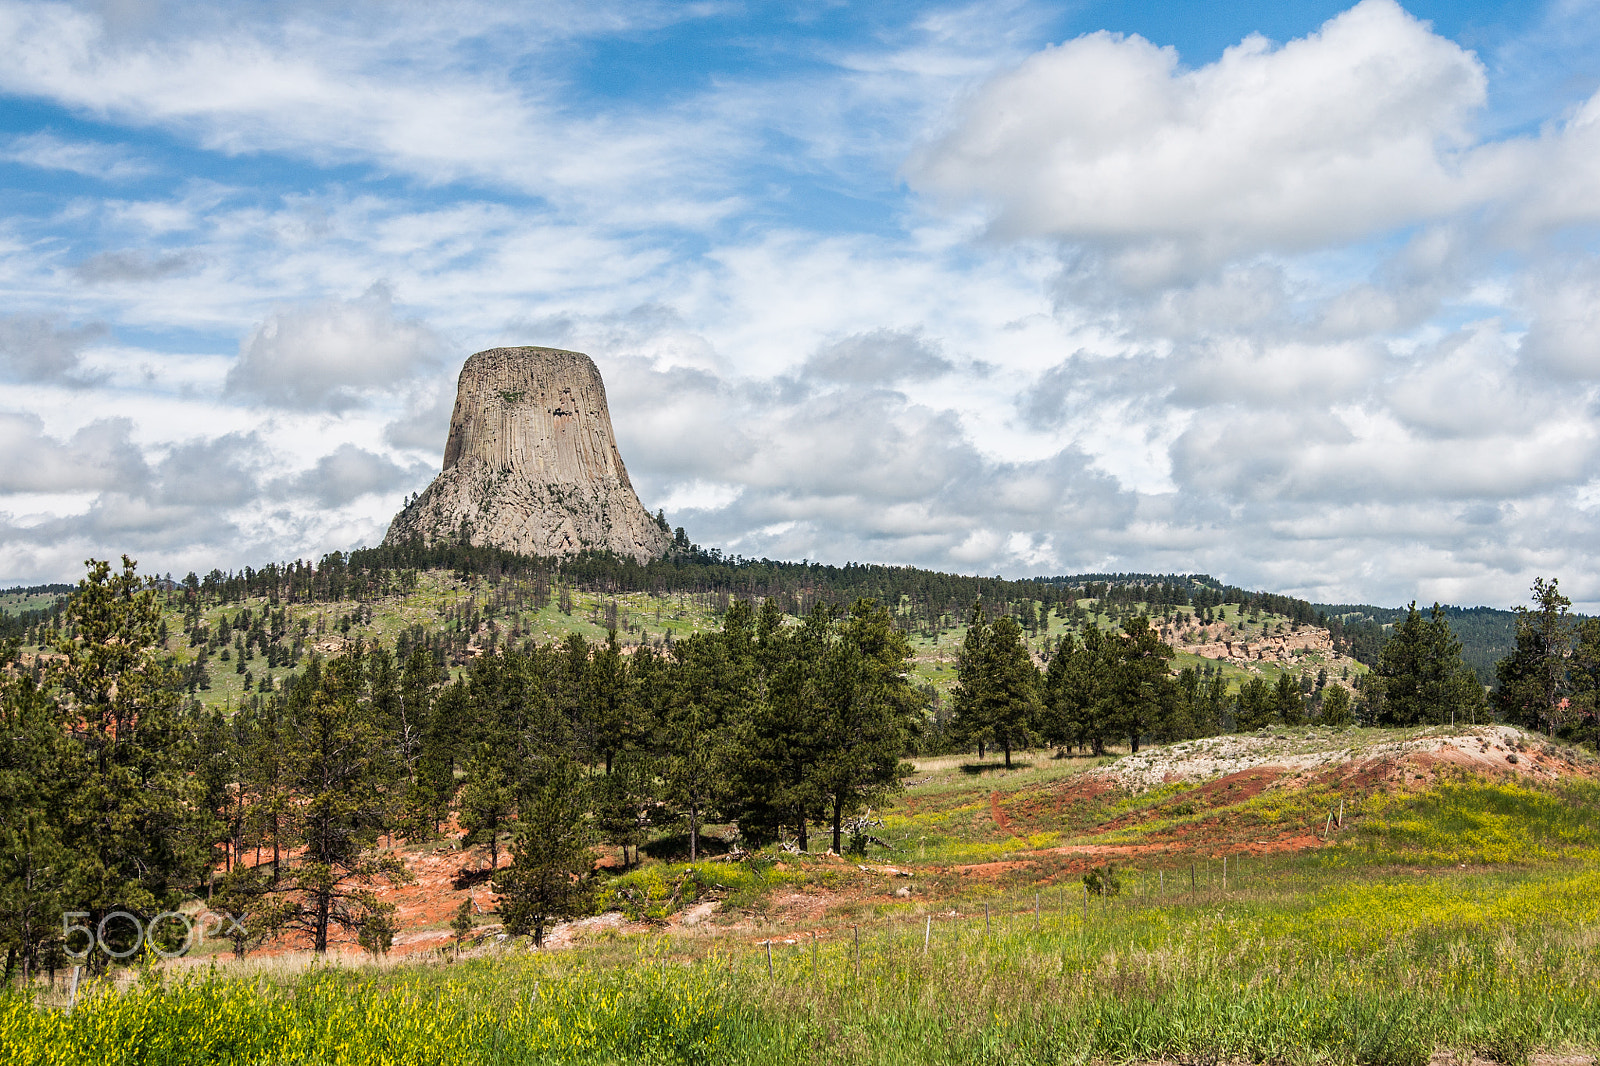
426	421
38	348
97	457
877	357
327	355
804	466
349	473
199	501
1326	139
1563	340
218	472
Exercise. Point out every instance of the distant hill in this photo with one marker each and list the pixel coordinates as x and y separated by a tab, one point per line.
931	601
1487	634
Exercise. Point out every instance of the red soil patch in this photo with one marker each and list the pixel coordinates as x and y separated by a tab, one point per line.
1107	850
1244	785
989	869
1000	820
1051	805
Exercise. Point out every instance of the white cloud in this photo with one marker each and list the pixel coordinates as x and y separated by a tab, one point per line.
349	473
99	456
326	355
1564	339
1326	139
91	159
877	357
1288	317
133	266
38	348
326	89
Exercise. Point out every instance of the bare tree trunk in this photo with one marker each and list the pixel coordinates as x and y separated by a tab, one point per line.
320	938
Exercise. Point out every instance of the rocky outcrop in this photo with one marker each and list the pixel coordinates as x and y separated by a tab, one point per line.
1222	642
531	464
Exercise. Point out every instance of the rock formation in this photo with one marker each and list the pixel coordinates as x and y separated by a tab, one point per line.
531	464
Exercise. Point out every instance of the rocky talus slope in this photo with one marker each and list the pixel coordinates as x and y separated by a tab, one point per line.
531	464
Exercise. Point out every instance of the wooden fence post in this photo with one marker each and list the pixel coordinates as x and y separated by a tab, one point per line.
927	932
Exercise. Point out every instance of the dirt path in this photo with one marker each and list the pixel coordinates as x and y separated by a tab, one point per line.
1000	820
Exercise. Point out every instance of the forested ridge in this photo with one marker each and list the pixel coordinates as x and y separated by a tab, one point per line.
927	599
788	720
1487	634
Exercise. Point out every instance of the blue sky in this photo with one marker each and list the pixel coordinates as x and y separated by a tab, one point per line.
1302	295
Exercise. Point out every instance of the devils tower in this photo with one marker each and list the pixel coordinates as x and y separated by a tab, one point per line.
531	464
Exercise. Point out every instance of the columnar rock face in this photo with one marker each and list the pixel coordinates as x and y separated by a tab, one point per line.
531	464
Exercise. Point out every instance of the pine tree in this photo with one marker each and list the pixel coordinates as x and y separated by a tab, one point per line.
625	802
1336	706
998	689
710	685
1144	694
339	766
868	704
1080	691
461	924
1287	702
134	824
1534	686
436	721
613	721
1253	708
550	876
1420	677
487	802
35	765
1584	677
781	742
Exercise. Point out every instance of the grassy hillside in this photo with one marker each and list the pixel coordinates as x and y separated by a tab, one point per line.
472	613
1452	912
393	583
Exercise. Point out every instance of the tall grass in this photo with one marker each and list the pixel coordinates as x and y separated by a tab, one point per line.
1305	965
1355	954
1479	823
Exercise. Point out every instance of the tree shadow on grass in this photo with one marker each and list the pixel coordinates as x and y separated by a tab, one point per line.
975	768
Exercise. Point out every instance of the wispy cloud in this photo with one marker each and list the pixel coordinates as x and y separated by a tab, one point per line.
47	151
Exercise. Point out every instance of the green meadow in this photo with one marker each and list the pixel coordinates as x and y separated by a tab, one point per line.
1461	919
